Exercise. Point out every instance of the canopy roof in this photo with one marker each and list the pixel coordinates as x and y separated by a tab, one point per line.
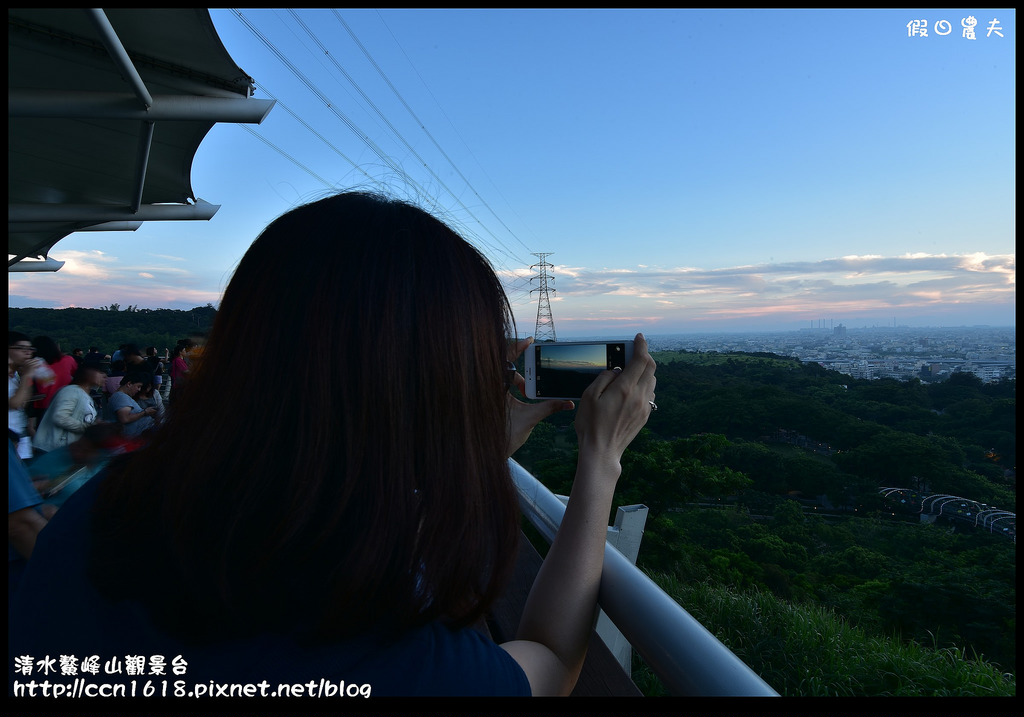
106	110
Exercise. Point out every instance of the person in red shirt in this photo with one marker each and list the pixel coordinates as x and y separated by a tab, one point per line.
180	368
62	365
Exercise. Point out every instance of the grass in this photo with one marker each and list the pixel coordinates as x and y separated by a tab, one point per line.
805	650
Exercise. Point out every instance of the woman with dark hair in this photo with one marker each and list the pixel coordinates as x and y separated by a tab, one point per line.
156	367
356	523
122	408
72	411
180	369
62	365
149	397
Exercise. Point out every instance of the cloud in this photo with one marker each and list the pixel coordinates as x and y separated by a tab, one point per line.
94	265
641	295
96	279
835	287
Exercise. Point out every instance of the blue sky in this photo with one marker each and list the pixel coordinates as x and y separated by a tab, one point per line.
689	170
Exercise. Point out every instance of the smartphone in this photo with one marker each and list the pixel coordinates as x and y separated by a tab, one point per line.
564	369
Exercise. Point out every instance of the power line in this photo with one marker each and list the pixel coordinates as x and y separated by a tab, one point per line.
355	129
326	101
319	136
418	120
450	123
316	54
290	158
394	130
515	291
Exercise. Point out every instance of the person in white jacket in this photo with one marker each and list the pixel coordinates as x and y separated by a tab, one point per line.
71	411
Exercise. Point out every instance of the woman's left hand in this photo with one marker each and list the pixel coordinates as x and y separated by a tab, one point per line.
522	417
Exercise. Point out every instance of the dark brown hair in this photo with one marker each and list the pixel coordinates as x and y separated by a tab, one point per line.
82	375
338	461
47	349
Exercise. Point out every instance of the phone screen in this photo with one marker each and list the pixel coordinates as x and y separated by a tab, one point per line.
566	370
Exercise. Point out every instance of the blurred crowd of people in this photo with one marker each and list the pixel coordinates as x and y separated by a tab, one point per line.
69	414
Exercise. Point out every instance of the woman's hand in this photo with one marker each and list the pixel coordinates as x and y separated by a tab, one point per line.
522	417
28	369
615	407
559	614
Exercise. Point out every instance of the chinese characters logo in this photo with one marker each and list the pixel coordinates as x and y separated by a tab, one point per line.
919	28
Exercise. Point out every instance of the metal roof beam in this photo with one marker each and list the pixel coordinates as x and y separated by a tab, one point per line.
98	213
112	227
110	40
44	265
123	226
142	163
37	250
59	104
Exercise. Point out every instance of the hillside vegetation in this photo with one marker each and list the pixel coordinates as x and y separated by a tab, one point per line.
109	328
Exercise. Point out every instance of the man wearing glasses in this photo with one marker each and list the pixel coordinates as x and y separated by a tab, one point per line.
21	366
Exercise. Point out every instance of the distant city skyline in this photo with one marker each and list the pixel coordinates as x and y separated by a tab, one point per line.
570	329
574	336
688	170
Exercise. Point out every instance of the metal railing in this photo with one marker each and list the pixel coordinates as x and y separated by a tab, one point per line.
682	653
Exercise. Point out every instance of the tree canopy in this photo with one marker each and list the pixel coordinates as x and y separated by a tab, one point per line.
109	328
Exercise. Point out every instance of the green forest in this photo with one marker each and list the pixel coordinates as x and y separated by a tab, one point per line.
109	328
762	476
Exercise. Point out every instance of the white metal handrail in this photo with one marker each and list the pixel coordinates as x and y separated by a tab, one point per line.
682	652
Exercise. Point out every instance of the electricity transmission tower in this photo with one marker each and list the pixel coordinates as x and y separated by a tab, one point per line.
545	323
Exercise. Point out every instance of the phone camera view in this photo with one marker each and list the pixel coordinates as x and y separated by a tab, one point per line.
565	371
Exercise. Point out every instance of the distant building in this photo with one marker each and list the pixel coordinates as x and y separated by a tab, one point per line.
839	332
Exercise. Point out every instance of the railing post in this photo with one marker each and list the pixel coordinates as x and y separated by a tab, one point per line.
625	536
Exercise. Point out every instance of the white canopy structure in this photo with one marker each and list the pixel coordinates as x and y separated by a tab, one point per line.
106	110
